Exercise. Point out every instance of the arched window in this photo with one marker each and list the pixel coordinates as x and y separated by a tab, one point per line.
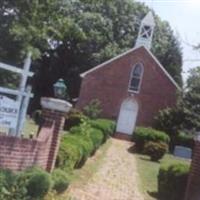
136	78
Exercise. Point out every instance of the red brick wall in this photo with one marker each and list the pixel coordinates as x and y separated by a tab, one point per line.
110	83
193	186
18	154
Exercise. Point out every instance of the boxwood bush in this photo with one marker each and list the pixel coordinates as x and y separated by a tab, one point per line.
60	180
172	181
156	150
142	135
105	125
37	182
81	142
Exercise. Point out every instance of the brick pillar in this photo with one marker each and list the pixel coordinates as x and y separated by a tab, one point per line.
193	185
53	112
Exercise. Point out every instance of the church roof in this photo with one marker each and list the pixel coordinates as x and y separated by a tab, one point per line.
127	52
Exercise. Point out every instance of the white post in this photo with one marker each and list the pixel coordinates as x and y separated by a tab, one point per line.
22	86
23	111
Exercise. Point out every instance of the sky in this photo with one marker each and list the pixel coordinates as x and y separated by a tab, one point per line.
184	18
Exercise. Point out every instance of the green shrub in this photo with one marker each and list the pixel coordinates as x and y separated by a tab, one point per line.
97	138
172	180
184	139
170	120
105	125
81	142
93	109
143	135
156	150
60	180
11	186
73	118
69	154
38	182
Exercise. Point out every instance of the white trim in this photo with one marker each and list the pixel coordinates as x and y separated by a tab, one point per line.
164	70
14	69
14	92
107	62
125	53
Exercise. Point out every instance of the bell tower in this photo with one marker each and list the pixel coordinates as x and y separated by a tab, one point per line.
145	34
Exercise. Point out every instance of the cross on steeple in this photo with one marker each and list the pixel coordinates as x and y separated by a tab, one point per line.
145	34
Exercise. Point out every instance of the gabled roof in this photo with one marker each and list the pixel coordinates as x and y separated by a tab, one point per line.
127	52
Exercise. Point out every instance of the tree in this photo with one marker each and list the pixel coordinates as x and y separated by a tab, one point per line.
186	114
69	37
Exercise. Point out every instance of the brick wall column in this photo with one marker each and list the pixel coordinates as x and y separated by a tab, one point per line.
193	185
53	112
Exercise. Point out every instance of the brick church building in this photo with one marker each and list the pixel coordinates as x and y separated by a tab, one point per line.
131	87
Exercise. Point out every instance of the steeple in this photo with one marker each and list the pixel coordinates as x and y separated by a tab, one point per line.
145	34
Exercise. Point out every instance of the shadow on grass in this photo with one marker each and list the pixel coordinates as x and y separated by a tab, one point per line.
132	149
153	194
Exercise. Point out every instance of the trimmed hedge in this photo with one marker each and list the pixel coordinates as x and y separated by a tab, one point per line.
172	181
37	182
60	180
105	125
156	150
81	142
143	135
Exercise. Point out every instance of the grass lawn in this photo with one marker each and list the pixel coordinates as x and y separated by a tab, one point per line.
148	172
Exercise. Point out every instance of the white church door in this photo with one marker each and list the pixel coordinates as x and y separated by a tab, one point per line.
127	117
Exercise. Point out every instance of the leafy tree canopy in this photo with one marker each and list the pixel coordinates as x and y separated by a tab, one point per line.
68	37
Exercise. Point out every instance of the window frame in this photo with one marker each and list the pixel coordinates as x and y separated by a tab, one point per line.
132	76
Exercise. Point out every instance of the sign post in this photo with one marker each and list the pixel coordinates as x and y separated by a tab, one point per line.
13	113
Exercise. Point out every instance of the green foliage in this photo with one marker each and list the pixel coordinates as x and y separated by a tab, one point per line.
156	150
185	139
38	182
73	118
186	114
70	37
70	153
143	135
11	186
105	125
170	120
93	109
172	180
60	180
81	142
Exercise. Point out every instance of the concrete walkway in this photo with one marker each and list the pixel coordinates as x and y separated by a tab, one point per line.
116	179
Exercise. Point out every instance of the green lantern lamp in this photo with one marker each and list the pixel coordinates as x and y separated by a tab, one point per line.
60	89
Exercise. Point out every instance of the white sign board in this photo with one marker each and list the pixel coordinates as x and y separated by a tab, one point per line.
8	112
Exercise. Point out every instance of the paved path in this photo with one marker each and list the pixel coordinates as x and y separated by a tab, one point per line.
116	178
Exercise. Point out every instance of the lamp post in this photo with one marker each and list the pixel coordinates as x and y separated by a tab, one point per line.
60	89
